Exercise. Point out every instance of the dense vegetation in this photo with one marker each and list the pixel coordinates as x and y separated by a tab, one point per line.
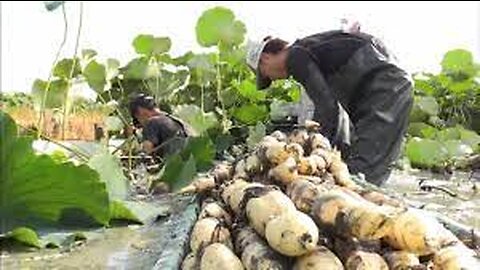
444	122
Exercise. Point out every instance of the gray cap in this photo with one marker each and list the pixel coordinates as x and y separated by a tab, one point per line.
254	52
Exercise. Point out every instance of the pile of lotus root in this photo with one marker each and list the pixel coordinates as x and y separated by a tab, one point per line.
291	204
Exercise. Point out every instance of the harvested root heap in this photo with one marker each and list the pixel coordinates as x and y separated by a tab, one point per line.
291	204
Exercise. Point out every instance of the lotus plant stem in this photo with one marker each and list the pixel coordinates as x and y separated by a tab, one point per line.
219	96
72	69
49	80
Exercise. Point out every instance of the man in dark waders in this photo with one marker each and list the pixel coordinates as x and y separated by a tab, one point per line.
162	134
362	98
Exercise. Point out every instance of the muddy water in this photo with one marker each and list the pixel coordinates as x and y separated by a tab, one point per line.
456	196
159	245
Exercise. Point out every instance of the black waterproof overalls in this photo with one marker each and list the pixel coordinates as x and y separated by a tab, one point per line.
354	74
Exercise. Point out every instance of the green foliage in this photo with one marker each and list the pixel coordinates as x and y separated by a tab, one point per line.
213	92
423	108
248	90
36	189
59	156
137	211
255	134
198	120
432	147
218	26
251	113
139	69
15	100
56	93
88	54
112	68
178	172
455	89
459	63
25	236
209	91
149	45
426	153
457	149
110	171
65	68
429	153
202	150
119	211
95	74
168	83
202	67
444	103
422	130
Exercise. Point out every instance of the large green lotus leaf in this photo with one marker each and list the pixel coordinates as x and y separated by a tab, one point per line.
458	61
120	211
250	114
424	85
168	83
96	75
37	190
181	60
110	170
428	105
426	152
248	90
148	44
138	211
202	67
449	134
24	236
423	108
140	69
218	26
462	87
63	68
470	138
112	68
457	149
198	120
55	96
422	130
459	133
235	57
88	54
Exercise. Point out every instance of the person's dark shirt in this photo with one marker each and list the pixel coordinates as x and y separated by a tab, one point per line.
161	130
331	50
313	59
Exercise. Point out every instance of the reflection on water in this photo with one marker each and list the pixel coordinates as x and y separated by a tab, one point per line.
455	196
